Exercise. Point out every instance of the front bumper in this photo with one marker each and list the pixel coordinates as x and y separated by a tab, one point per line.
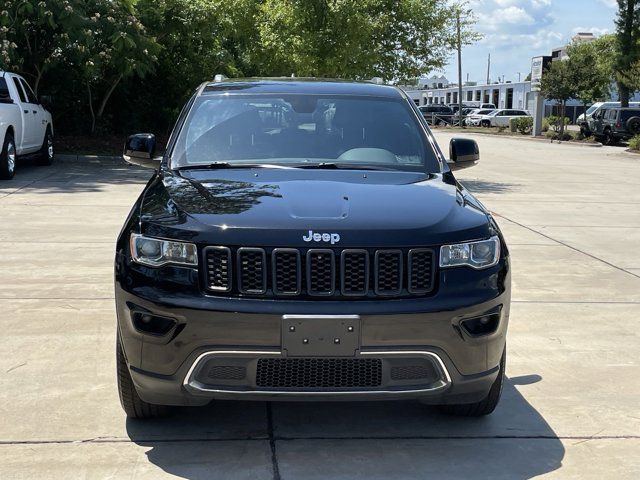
165	369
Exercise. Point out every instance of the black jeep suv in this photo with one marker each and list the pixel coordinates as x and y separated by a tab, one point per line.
307	240
613	124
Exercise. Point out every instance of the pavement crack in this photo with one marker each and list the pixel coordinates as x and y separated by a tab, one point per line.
15	366
575	249
272	443
284	438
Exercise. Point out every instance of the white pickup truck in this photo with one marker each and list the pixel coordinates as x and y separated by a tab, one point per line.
25	125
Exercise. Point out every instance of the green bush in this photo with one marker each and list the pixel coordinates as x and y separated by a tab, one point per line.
524	125
634	143
545	125
553	135
556	122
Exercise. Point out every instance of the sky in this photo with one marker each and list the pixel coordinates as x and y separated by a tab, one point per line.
516	30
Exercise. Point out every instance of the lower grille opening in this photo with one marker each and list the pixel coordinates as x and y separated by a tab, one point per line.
412	372
227	372
318	373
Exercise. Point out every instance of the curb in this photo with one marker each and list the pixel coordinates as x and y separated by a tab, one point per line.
93	159
525	137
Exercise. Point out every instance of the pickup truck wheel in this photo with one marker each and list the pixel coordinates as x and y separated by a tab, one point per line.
485	123
485	406
131	402
8	158
45	156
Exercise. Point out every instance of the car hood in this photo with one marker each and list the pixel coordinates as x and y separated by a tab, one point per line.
279	207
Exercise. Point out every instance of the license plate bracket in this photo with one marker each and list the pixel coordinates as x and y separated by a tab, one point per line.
320	335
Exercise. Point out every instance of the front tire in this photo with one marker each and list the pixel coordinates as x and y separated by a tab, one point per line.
8	158
485	406
131	402
608	138
45	156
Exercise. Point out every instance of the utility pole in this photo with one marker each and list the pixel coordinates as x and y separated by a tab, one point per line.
518	77
488	68
459	69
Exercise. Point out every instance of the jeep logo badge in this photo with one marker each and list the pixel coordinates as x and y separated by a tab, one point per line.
321	237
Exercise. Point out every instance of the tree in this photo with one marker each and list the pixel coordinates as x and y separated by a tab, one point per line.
591	69
628	46
111	45
559	84
33	35
393	39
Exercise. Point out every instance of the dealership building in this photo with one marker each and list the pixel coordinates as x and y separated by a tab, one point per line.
437	90
502	95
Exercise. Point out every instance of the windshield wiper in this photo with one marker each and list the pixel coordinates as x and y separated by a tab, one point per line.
341	166
223	165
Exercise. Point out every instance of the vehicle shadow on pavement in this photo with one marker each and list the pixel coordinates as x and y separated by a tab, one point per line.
372	440
481	186
73	177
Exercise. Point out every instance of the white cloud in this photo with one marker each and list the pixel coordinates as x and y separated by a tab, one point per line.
515	15
512	16
609	3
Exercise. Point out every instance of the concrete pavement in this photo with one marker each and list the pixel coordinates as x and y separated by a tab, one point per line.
570	406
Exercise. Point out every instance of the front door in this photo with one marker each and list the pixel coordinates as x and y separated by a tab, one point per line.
33	121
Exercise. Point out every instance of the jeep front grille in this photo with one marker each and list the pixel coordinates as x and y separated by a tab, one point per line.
319	273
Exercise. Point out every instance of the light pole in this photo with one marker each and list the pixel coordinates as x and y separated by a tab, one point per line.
459	68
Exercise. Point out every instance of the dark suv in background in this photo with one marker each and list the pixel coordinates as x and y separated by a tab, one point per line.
611	125
437	114
307	240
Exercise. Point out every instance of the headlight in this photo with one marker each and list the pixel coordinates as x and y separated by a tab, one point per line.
155	252
482	254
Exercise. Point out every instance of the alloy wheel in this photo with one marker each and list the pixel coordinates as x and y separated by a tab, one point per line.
11	157
49	147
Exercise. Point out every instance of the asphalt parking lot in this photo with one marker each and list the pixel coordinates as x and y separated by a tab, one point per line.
571	216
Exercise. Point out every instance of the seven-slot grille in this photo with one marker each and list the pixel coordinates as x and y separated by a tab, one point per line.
319	272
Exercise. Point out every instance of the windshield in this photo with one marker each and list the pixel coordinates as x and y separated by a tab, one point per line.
303	129
593	108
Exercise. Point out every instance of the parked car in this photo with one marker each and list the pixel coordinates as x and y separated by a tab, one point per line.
26	128
501	117
483	106
584	119
437	114
474	118
329	255
610	125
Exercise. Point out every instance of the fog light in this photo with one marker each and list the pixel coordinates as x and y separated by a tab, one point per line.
152	324
483	325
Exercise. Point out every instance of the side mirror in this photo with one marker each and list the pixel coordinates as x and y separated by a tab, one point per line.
463	153
46	101
140	149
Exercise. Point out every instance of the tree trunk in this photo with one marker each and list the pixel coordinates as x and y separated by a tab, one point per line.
624	94
107	95
562	121
36	83
93	115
